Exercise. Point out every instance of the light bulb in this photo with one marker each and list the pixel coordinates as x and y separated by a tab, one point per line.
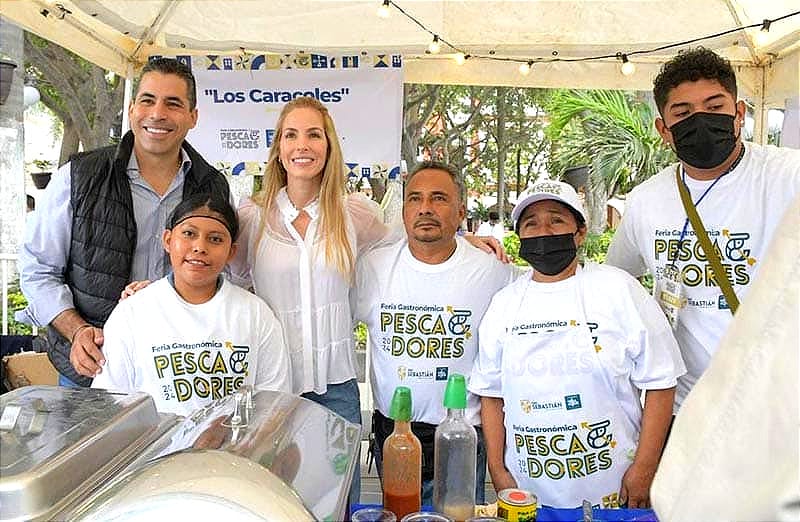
525	68
30	95
761	38
628	68
383	10
460	58
434	47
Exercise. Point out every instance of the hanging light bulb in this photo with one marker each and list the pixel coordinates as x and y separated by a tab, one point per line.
627	67
525	68
460	58
761	38
383	10
434	47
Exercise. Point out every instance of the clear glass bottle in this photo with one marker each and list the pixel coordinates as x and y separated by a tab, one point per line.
454	455
402	459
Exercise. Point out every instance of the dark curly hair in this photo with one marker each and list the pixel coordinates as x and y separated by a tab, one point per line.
690	66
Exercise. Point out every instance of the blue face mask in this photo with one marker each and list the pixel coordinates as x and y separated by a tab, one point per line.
549	255
704	140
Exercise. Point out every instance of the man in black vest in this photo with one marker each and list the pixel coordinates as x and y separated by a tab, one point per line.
99	224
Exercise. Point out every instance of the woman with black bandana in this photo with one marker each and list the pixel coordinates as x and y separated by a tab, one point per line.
563	358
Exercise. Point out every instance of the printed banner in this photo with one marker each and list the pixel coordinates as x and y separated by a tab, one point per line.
240	97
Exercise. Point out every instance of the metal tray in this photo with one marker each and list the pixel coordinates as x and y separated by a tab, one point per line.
58	443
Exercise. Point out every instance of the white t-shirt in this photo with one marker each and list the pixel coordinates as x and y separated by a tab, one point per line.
569	358
733	452
637	343
739	213
186	355
422	321
487	229
309	298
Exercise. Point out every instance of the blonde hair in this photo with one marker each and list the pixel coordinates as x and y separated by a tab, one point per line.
333	229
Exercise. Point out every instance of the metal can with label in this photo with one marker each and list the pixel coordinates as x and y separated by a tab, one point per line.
516	505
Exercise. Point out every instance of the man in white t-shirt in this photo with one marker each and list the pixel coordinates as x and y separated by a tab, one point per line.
740	191
493	227
422	300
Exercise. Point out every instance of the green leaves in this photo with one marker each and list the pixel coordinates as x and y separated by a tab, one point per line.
608	130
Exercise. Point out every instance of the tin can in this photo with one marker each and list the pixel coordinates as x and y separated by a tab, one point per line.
516	505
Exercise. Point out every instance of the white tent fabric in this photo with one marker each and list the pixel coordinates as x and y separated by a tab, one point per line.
120	34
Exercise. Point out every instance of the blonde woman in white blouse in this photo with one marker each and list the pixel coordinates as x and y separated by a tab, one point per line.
299	241
300	237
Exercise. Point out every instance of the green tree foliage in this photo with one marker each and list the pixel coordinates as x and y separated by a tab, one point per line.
482	131
16	301
612	133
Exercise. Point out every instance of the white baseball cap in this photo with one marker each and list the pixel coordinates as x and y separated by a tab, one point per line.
547	189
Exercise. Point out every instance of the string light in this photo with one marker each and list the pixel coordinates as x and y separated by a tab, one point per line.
383	10
434	47
525	68
761	38
627	67
460	58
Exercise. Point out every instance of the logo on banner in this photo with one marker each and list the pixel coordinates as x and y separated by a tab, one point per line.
242	62
349	62
319	61
352	170
239	138
302	61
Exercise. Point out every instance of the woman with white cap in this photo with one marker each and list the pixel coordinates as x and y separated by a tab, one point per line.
563	358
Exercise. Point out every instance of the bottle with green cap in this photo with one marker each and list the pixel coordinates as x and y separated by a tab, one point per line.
402	459
454	455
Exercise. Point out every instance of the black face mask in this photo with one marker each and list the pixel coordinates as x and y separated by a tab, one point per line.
704	140
548	255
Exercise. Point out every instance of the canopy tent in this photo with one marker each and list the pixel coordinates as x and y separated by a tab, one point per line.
120	34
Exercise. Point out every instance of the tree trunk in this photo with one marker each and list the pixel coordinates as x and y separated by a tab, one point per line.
595	200
418	104
76	90
69	142
501	151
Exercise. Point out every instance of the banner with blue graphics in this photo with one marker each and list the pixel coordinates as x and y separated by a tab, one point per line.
240	97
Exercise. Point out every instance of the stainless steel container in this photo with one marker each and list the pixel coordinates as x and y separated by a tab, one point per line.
262	456
56	444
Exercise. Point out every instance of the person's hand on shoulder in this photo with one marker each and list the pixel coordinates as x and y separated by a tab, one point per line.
490	245
132	288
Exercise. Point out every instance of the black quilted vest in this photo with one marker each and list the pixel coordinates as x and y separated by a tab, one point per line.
104	234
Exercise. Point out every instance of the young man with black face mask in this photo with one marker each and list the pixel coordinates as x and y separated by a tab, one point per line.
563	357
739	190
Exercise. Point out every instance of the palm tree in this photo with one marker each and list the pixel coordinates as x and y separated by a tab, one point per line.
613	134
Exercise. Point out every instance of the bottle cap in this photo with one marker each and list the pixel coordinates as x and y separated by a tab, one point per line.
455	395
400	410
